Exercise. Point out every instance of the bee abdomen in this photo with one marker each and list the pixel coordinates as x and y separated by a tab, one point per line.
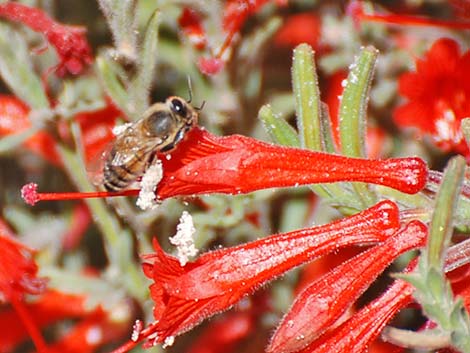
117	178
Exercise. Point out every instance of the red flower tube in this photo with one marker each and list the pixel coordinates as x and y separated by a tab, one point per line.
356	334
205	163
322	303
184	296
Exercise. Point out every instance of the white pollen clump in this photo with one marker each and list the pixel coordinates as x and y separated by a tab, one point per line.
136	330
148	185
119	129
168	341
183	239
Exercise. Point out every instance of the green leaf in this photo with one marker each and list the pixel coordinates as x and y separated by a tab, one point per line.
465	127
110	75
278	129
307	97
353	106
326	129
121	17
442	220
142	81
353	113
17	71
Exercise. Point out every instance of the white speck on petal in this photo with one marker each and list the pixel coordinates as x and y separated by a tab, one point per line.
94	335
183	239
148	185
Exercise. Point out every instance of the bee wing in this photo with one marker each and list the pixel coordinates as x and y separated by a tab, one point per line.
95	166
130	144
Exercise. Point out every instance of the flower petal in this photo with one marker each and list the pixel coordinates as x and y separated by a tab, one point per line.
318	306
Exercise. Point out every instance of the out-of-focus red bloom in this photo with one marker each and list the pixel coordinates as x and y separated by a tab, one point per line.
299	28
97	130
237	11
17	270
190	24
17	278
224	333
95	328
205	163
81	219
462	7
235	14
50	307
210	66
356	10
184	296
14	119
438	95
69	41
323	302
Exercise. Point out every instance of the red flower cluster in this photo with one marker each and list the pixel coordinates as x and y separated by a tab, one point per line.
438	96
184	296
69	41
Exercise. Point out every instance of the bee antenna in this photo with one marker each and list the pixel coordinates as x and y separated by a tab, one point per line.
190	90
202	106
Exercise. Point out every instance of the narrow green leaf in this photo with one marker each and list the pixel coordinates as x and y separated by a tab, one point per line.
353	107
326	129
307	97
442	220
11	142
141	83
278	129
17	71
122	22
109	74
353	113
465	127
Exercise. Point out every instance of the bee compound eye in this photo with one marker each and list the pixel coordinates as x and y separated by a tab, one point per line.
178	107
160	123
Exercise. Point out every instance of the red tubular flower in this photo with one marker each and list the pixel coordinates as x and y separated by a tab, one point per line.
17	270
356	334
18	277
81	219
69	41
97	129
439	95
184	296
95	328
321	304
205	163
14	119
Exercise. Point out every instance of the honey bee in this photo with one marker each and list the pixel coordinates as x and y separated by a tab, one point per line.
160	129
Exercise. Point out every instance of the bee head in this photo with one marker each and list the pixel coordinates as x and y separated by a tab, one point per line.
183	110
